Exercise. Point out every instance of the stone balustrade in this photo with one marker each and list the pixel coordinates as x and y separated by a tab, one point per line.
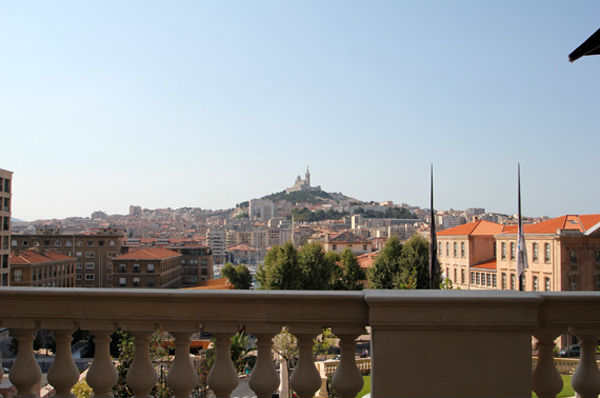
417	337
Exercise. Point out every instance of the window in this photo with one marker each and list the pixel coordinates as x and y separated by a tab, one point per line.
90	277
455	275
512	250
79	243
90	243
462	276
136	281
334	247
535	252
573	256
447	272
447	249
365	247
150	282
13	242
136	268
472	277
455	249
573	283
440	248
512	281
488	280
90	265
150	268
547	284
79	265
203	271
503	281
546	252
90	254
57	243
111	243
493	280
503	251
462	249
68	253
100	243
111	254
78	277
78	254
477	278
122	282
68	243
597	255
122	268
18	275
535	283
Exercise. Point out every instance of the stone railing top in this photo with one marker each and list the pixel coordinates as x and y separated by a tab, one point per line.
53	308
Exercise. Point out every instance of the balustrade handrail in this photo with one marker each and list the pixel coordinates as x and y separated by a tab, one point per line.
427	330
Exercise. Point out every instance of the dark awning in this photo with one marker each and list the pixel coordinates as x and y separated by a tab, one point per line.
589	47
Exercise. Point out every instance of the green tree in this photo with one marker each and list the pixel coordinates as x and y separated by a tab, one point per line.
414	263
402	266
285	345
351	275
316	266
240	347
386	269
280	270
238	275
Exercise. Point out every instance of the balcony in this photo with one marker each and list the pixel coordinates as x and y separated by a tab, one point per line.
424	343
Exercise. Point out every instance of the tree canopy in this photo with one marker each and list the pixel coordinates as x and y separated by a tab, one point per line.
402	266
238	275
308	268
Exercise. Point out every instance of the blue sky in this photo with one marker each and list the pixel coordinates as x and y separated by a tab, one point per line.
107	104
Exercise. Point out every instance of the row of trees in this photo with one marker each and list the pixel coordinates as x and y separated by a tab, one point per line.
309	268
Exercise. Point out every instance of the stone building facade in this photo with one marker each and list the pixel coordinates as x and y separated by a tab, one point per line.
5	213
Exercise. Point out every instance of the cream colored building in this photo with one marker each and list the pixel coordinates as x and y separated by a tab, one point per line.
347	240
5	213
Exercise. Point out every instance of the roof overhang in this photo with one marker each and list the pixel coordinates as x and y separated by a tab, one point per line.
589	47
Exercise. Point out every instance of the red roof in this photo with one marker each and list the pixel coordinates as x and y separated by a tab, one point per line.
575	222
148	253
33	256
490	264
367	260
477	228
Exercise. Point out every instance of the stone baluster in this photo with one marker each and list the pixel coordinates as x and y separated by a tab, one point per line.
222	378
305	378
264	379
182	377
102	375
586	379
142	376
63	373
25	373
347	380
546	380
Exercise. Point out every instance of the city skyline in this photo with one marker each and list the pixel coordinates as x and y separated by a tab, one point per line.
208	105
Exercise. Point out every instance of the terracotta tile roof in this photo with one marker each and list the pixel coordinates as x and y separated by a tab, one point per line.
477	228
367	260
490	264
213	284
575	222
34	256
148	253
347	237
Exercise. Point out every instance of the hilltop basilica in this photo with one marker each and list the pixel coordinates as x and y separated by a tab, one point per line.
303	185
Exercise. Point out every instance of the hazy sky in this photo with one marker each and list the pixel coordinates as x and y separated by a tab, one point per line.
110	103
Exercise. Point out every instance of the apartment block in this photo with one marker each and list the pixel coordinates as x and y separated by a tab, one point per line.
94	252
5	213
148	267
42	268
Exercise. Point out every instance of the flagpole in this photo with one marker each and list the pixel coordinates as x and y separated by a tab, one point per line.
521	254
432	240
